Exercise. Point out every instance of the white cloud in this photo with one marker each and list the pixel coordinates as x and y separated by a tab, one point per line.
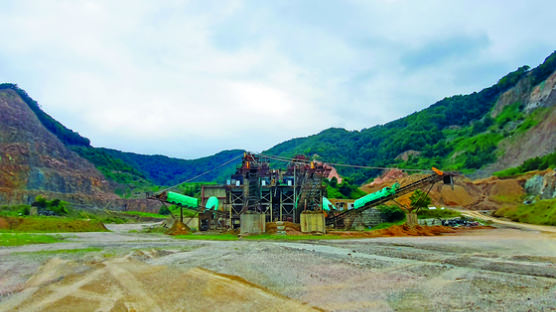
189	78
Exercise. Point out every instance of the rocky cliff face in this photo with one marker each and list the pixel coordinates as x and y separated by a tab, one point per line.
542	185
537	141
33	160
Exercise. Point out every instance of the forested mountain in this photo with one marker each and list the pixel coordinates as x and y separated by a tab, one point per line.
462	132
129	170
158	169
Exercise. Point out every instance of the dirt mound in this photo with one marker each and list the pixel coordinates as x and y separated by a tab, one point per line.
397	230
459	196
4	225
290	228
389	176
125	284
178	228
404	230
502	187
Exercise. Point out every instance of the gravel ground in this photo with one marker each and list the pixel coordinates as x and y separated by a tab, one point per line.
487	270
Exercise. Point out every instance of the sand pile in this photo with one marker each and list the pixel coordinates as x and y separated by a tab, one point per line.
506	187
178	228
289	227
459	196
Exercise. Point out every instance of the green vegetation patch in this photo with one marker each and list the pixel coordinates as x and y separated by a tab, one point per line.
476	151
129	178
18	239
345	190
14	210
187	213
540	212
54	206
50	224
509	113
536	163
392	214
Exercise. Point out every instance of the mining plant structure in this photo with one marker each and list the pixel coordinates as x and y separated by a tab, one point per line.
279	194
283	194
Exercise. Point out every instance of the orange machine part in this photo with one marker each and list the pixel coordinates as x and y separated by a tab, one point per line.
438	171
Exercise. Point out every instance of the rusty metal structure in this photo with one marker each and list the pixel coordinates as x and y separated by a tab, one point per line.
281	194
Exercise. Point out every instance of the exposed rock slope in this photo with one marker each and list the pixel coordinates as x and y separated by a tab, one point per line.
33	160
538	140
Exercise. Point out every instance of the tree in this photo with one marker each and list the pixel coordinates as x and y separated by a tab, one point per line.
50	207
418	199
164	210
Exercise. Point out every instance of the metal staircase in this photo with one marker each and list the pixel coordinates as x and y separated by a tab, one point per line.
253	196
311	193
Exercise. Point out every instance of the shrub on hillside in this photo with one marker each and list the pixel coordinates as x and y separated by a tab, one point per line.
50	207
391	213
536	163
164	210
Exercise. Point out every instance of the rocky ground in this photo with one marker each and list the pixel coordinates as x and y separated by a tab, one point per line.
489	270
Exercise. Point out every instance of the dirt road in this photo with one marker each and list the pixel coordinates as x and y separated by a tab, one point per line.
533	227
487	270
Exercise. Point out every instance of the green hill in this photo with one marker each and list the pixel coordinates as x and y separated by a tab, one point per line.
461	132
163	170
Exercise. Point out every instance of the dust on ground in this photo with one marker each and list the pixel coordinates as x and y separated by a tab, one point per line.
128	284
487	270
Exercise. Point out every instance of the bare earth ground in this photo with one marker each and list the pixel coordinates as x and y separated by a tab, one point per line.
489	270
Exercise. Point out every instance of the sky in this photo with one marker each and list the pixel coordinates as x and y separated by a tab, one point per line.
191	78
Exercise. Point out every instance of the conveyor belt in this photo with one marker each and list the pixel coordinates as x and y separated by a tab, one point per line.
333	219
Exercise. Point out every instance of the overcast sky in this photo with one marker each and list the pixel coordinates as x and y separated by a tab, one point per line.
191	78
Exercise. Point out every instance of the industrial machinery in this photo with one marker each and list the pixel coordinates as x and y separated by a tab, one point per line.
209	214
280	194
387	194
